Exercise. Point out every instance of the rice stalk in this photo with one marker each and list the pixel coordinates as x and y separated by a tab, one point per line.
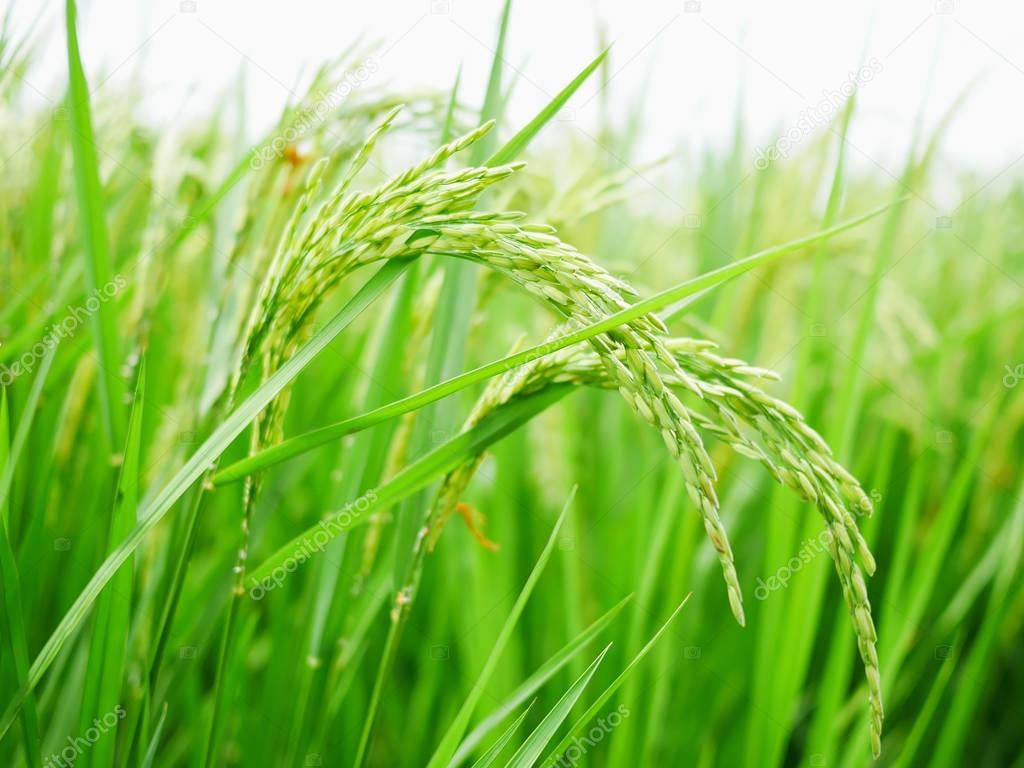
428	210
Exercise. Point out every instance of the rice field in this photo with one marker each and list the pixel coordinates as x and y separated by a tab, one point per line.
412	435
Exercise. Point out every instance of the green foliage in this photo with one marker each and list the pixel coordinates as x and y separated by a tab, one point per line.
326	529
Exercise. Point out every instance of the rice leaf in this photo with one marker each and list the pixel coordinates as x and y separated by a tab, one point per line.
449	743
108	648
608	692
514	146
93	231
527	754
412	478
154	741
14	619
491	755
533	683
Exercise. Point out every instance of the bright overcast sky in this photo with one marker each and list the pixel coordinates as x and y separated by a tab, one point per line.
696	58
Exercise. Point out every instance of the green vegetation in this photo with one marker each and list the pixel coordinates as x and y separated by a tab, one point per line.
303	462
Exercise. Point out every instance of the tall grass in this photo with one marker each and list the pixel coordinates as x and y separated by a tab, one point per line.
306	463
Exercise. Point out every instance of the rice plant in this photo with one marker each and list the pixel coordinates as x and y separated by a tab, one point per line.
305	462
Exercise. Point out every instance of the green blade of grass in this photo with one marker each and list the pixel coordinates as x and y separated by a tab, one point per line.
93	230
903	615
154	741
14	619
310	440
194	468
448	127
41	206
608	692
526	756
533	683
113	609
415	476
959	719
449	743
162	630
514	147
972	676
209	204
494	105
491	755
655	544
21	434
909	749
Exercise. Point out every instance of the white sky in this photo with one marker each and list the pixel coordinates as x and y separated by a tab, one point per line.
698	58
